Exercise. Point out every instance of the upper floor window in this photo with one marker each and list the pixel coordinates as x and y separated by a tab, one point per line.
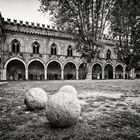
69	51
108	54
53	49
15	46
36	47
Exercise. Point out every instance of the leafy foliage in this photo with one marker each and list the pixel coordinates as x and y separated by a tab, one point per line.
125	23
88	18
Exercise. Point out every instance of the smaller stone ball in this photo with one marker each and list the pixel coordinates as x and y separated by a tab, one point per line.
68	88
63	110
36	98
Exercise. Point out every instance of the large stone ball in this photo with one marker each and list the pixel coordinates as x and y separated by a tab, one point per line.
68	88
63	109
36	98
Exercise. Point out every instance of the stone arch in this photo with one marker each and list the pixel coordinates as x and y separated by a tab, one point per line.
36	59
97	70
15	69
123	65
120	64
36	69
119	71
108	71
54	68
71	62
97	62
70	70
109	63
52	61
14	58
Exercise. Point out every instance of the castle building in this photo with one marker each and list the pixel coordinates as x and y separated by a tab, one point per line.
36	52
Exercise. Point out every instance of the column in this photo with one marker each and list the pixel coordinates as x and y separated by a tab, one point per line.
62	74
45	76
103	73
4	74
89	76
114	73
133	73
123	73
77	74
26	73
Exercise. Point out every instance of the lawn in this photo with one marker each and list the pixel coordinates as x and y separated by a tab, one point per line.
110	111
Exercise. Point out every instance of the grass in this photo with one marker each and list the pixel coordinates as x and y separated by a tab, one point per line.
110	111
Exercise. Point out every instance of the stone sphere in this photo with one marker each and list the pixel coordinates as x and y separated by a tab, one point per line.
68	88
36	98
63	109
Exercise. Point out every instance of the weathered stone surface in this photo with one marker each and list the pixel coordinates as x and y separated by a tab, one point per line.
36	98
63	109
69	89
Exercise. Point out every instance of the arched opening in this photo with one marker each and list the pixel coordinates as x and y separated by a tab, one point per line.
36	70
36	47
137	73
54	71
70	71
119	72
15	46
108	72
127	72
97	71
82	71
53	49
108	54
69	51
15	70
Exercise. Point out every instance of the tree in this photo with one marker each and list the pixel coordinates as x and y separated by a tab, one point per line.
125	23
87	17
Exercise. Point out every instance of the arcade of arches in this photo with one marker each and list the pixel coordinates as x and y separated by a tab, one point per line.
36	70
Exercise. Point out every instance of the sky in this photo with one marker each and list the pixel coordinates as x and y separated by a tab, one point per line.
26	10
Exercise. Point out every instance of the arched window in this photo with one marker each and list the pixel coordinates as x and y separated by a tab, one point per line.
53	49
36	47
108	54
15	46
69	51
